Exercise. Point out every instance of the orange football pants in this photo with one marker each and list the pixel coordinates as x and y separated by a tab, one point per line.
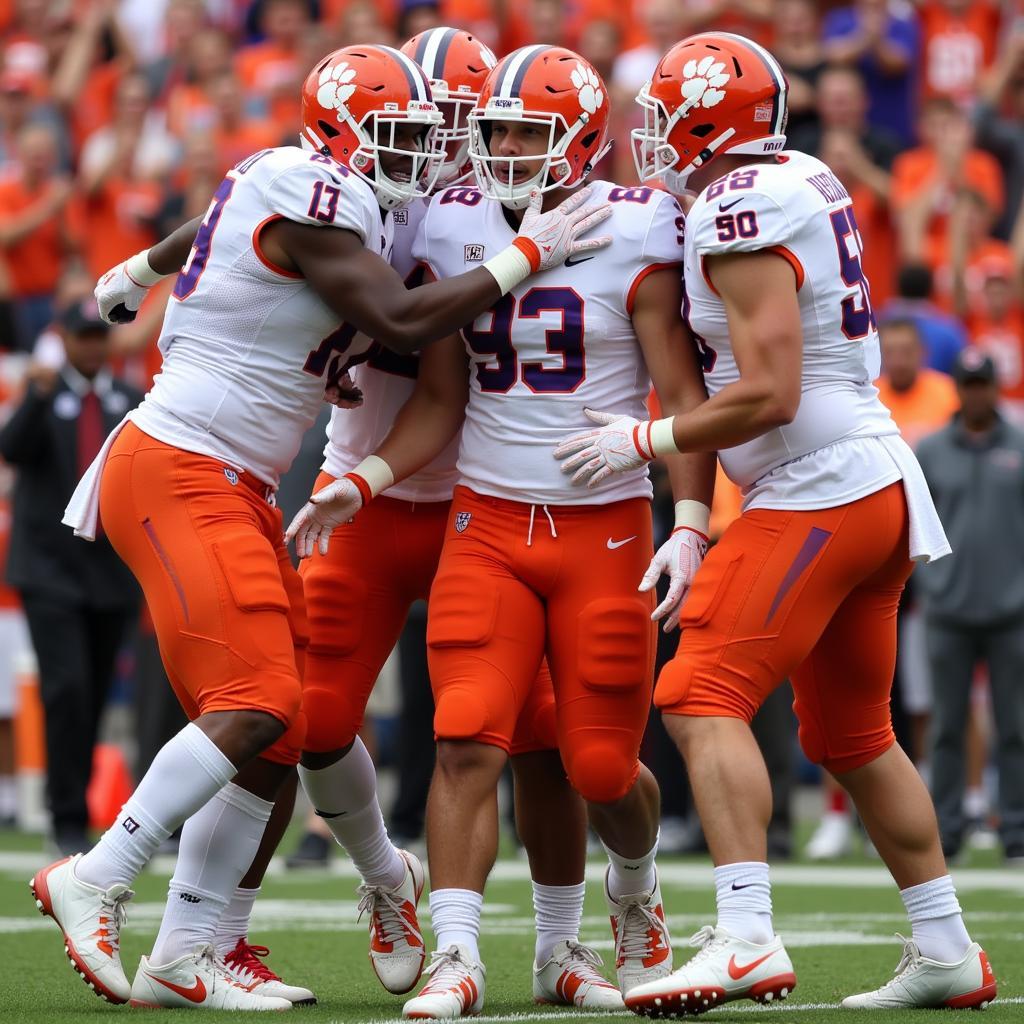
517	582
805	595
207	548
358	597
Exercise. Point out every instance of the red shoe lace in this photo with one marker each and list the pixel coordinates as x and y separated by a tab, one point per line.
245	957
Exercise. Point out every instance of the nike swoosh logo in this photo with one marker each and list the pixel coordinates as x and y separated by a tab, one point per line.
576	262
195	994
736	972
736	888
728	206
613	544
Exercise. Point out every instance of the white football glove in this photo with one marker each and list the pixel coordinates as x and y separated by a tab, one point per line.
679	558
118	295
555	234
330	507
620	443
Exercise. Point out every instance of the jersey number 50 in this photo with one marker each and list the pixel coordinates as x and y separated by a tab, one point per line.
858	318
566	341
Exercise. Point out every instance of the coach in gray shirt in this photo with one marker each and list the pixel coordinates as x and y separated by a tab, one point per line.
974	599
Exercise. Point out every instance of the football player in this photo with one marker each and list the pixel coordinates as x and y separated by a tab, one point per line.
805	584
528	569
294	241
357	598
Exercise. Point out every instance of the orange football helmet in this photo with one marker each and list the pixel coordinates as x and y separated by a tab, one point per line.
549	86
456	64
712	93
352	103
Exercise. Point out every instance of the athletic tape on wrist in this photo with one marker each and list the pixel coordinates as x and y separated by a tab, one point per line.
138	269
510	267
371	476
694	516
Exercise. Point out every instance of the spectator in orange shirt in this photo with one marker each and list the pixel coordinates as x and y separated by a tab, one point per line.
997	327
926	180
190	105
920	400
959	40
272	69
237	136
19	108
34	239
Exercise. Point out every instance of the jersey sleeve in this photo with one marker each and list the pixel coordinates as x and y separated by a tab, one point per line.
319	195
748	222
662	244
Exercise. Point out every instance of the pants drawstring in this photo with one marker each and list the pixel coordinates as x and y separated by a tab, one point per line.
551	523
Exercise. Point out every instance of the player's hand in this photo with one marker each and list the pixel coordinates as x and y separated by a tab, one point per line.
330	507
679	558
118	296
556	234
614	448
343	392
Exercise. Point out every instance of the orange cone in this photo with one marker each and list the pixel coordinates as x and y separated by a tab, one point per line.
109	787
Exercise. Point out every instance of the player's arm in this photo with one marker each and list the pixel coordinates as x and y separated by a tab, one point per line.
671	357
759	292
120	291
365	291
423	427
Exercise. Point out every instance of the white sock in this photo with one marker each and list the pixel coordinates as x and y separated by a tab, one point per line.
8	796
558	911
345	796
217	846
744	897
631	875
234	922
936	920
455	916
184	775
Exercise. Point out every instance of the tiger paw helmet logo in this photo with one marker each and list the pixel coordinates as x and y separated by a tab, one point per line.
703	84
588	88
336	85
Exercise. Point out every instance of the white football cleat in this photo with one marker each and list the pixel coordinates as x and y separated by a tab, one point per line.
245	964
91	919
397	952
969	984
571	978
643	949
832	838
198	981
724	968
455	989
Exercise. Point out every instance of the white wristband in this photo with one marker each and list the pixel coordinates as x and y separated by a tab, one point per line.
509	268
663	441
377	474
138	269
693	515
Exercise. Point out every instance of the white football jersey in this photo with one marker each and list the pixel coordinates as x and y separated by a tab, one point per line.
387	379
798	208
247	347
560	342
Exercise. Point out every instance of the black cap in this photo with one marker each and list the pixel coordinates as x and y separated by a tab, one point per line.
83	318
972	364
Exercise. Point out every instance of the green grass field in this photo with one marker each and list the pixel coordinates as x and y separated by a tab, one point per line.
838	923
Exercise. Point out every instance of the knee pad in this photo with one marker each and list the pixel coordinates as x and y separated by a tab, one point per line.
844	752
537	728
461	714
601	771
684	689
335	603
289	747
616	645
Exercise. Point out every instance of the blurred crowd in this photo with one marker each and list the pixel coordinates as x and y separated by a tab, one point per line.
118	119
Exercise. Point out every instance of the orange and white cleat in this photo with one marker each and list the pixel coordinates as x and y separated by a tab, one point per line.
91	919
643	949
245	964
455	989
724	968
968	984
571	978
197	981
397	952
